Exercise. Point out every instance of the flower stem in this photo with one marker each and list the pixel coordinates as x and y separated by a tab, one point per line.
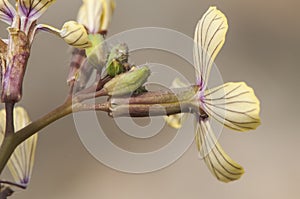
7	191
156	103
32	128
9	109
7	148
11	141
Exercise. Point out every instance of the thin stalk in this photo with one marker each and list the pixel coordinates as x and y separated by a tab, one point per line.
32	128
7	148
9	109
11	141
7	191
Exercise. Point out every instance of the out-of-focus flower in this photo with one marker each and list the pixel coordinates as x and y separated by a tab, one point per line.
23	28
96	15
233	104
21	162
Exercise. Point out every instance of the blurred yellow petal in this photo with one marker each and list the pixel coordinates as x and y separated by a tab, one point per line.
218	162
33	9
209	38
176	121
233	104
22	160
96	15
109	6
75	35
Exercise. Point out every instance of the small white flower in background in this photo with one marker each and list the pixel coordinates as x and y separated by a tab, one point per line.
233	104
21	162
96	15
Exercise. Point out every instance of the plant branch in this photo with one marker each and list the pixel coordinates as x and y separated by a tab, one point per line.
11	141
9	127
32	128
155	103
7	191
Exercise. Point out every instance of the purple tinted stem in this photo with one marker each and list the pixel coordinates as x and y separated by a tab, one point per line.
18	54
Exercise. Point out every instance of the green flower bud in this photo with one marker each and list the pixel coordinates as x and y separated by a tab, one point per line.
117	57
127	83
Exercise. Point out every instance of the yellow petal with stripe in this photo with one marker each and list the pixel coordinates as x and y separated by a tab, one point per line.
223	167
75	35
22	160
33	9
7	12
233	104
209	38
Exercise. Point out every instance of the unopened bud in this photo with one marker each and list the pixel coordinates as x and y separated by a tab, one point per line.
127	83
75	35
117	57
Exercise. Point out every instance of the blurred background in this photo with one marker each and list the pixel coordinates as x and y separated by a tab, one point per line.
262	49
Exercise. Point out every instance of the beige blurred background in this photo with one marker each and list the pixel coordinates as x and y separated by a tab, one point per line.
262	48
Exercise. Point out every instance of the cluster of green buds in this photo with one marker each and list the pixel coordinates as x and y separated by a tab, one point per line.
15	51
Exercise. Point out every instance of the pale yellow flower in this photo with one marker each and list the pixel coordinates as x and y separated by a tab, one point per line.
21	162
232	104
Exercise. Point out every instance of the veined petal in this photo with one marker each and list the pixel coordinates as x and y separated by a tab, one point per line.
218	162
176	121
109	6
21	162
33	8
96	15
233	104
75	35
7	12
209	38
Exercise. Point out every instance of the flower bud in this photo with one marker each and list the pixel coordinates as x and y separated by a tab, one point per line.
75	35
117	57
127	83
